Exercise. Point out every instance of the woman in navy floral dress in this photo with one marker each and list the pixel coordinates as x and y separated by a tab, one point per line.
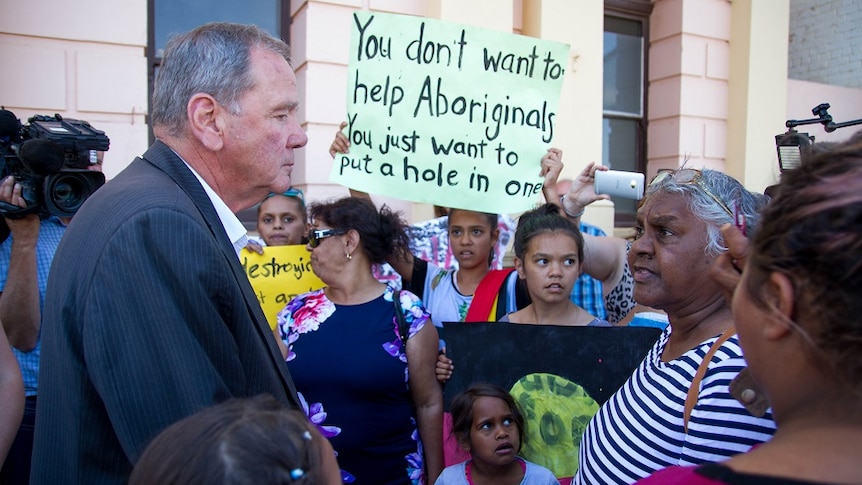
378	401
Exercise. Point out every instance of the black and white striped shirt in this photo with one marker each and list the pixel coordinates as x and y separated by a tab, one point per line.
640	428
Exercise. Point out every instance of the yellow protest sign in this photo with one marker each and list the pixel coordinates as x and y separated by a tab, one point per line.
448	114
278	275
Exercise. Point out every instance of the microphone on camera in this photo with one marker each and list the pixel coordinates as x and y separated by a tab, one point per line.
10	127
42	157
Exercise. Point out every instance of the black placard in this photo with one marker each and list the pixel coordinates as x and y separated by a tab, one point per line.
598	358
558	375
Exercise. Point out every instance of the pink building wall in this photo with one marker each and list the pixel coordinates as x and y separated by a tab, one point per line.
84	60
88	60
689	71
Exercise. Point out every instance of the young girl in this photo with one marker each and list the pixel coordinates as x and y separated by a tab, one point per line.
448	293
549	255
241	440
489	425
281	220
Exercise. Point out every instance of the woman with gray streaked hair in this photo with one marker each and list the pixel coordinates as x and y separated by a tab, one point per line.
795	296
654	420
706	192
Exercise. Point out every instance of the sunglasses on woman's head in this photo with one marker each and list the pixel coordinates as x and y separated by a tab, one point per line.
317	235
690	176
291	192
294	192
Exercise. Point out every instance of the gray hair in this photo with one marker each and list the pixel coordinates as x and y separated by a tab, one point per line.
726	189
214	59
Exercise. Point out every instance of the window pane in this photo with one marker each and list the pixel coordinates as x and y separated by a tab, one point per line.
620	25
623	66
620	152
177	16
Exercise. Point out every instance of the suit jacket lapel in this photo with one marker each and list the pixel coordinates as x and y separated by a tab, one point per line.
162	157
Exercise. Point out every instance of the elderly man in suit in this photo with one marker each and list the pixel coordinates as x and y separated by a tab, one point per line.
149	316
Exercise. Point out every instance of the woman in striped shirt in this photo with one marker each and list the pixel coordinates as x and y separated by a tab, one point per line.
645	426
797	311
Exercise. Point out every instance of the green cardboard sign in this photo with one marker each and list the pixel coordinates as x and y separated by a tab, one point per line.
448	114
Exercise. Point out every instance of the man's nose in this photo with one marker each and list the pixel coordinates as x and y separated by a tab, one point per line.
298	138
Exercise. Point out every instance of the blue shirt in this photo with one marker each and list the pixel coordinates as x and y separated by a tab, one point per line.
50	232
587	292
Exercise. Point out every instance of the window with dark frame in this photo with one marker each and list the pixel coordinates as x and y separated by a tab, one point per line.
624	94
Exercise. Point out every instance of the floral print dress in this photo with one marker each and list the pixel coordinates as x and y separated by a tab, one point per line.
349	368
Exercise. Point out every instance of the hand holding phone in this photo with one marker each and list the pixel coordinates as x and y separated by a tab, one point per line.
629	185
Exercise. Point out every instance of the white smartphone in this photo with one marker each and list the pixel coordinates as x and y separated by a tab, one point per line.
629	185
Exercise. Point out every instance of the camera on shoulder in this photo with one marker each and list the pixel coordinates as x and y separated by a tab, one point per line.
50	157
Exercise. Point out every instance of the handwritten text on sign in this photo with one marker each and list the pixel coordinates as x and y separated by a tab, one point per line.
278	275
448	114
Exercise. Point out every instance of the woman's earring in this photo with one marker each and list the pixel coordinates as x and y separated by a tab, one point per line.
349	257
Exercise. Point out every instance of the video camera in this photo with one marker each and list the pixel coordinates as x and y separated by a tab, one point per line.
49	158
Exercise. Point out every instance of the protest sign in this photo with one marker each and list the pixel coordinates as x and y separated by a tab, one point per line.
558	375
278	275
448	114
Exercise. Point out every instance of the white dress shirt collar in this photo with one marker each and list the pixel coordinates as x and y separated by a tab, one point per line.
236	232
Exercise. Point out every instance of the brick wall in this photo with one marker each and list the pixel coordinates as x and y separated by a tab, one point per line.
825	42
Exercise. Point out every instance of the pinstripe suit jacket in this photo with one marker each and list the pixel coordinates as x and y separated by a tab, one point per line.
149	317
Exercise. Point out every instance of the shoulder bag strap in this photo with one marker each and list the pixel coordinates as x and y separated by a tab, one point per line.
694	390
403	329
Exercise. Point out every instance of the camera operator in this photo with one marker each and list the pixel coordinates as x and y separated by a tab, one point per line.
25	258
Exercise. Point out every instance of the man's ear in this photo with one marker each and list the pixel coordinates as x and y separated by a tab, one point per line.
205	120
519	267
782	298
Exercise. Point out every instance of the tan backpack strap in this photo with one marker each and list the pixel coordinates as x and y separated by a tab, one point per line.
694	389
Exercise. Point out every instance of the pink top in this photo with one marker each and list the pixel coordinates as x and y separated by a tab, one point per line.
714	474
677	475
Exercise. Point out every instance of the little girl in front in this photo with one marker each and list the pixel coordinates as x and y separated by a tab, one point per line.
490	426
